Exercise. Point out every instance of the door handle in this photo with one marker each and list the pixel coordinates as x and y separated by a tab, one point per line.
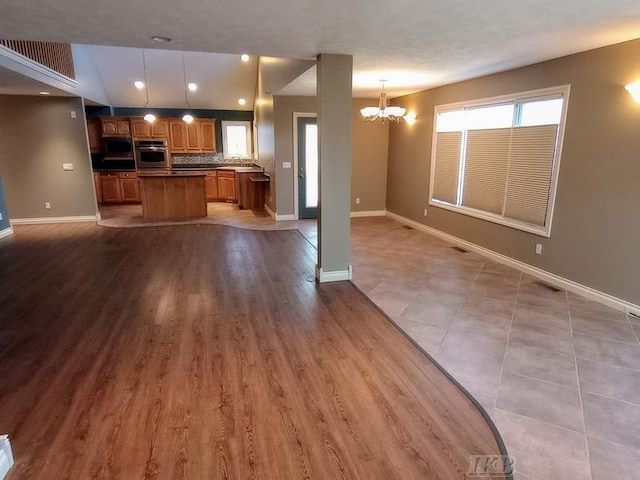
301	175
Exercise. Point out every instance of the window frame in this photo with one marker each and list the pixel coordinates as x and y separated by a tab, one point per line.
249	138
520	97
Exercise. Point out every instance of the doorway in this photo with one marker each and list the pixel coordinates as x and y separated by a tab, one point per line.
307	165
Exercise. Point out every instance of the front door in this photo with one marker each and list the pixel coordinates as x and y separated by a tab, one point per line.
307	167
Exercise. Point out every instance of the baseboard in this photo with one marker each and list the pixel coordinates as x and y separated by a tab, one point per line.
337	276
369	213
6	232
269	211
281	218
35	221
6	456
548	277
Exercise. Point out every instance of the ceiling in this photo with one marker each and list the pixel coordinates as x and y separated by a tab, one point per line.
221	78
413	44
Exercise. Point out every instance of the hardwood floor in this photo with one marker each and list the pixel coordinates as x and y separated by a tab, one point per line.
206	352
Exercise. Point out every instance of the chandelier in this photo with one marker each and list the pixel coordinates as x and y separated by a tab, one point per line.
383	111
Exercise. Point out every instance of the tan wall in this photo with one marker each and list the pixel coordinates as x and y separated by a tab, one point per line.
369	154
596	226
38	135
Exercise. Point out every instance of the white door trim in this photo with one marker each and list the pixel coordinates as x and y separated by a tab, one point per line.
297	115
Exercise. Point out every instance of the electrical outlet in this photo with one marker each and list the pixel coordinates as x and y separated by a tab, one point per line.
425	212
73	114
47	206
538	248
357	201
0	215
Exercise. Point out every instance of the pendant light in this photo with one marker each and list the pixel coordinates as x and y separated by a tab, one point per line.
187	117
149	117
383	111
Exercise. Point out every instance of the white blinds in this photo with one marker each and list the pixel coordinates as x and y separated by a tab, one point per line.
445	184
506	172
485	173
530	171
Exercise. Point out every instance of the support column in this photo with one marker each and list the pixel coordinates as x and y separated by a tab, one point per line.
334	150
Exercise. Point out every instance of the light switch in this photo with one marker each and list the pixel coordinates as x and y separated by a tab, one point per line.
286	164
67	167
73	114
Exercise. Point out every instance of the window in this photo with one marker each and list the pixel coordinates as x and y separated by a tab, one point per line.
498	159
236	139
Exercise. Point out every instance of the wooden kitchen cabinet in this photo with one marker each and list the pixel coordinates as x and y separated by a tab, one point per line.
196	137
227	186
118	187
116	126
177	136
96	181
208	135
143	129
110	187
211	185
94	130
129	187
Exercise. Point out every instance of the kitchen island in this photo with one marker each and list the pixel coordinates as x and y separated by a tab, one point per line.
167	195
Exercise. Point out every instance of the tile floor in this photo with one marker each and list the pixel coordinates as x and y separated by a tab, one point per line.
558	374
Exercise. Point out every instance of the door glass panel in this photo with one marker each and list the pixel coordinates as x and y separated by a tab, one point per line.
311	167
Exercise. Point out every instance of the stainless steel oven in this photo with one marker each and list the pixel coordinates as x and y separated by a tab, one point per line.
151	154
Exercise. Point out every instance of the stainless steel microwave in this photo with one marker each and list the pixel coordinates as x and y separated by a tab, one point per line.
118	148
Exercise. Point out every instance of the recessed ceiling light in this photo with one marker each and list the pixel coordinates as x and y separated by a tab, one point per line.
161	39
242	101
192	87
45	93
244	57
139	84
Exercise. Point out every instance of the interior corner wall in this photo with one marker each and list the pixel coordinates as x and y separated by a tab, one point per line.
595	229
38	135
369	154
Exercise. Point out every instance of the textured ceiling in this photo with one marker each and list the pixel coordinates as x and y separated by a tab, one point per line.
415	44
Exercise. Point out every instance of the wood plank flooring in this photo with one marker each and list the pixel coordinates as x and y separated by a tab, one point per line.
207	352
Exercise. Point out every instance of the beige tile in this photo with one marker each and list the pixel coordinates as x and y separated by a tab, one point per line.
539	400
482	384
578	304
612	420
392	298
606	351
598	327
472	353
429	337
492	308
609	461
611	381
545	338
542	317
543	451
544	365
535	293
431	310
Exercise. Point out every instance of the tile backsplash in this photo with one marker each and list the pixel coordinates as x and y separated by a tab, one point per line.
199	158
